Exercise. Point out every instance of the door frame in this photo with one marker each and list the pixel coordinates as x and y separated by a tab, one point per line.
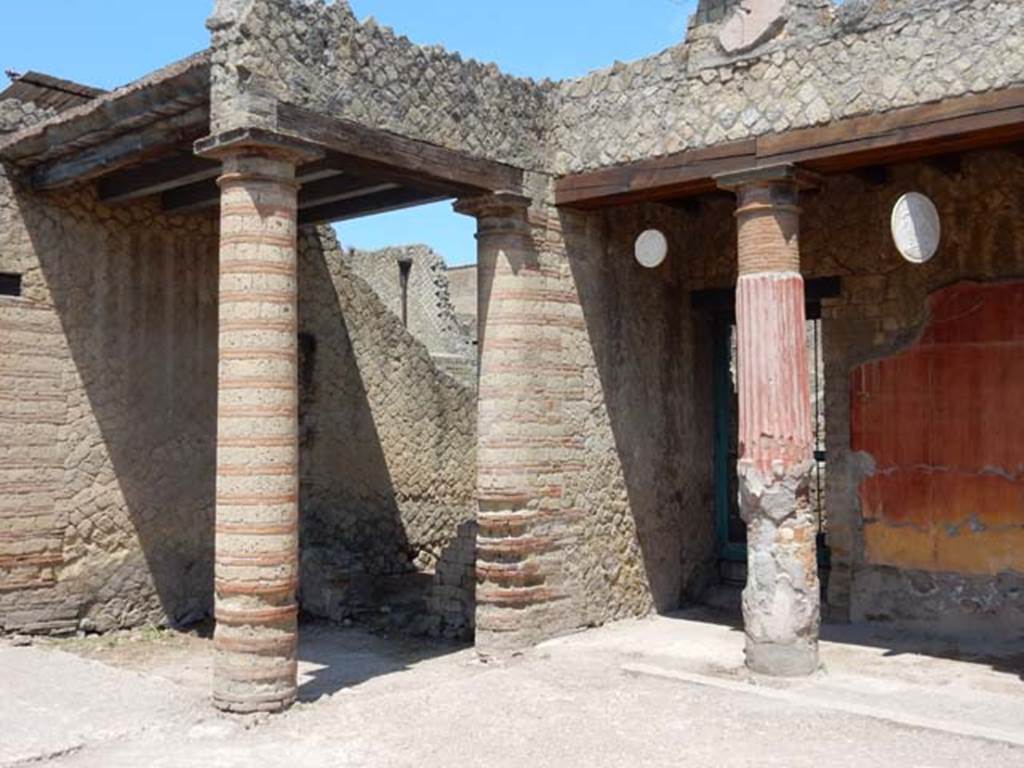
721	304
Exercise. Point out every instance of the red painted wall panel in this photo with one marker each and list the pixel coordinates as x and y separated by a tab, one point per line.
944	423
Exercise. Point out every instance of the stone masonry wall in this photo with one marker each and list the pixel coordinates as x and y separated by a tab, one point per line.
463	292
388	454
432	318
648	538
861	58
108	399
320	57
883	309
109	377
607	430
826	62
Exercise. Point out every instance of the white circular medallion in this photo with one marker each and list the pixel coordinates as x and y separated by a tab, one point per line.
651	248
916	228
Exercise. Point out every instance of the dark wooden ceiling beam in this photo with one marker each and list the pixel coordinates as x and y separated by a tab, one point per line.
680	175
178	170
912	133
206	194
365	205
409	161
124	150
191	197
339	188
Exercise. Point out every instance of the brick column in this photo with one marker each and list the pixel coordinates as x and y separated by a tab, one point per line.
518	542
257	435
781	600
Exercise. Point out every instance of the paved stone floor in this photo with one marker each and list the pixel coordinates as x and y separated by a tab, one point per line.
667	691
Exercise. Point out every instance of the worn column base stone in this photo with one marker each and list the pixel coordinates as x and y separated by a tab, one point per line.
255	705
776	660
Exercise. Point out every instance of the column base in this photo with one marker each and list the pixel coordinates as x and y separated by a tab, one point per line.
779	660
253	705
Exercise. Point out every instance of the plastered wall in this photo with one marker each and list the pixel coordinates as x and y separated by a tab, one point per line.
941	424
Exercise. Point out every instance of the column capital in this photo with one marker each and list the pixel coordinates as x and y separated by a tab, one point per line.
768	175
498	213
257	141
501	204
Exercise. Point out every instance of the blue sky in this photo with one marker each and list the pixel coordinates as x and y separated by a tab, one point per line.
109	42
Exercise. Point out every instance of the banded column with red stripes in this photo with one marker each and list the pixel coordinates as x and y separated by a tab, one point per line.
781	602
522	451
257	435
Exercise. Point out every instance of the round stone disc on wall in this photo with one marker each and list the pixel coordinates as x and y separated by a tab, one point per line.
916	227
651	248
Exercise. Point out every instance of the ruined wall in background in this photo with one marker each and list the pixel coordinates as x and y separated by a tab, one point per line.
431	314
108	401
462	289
388	459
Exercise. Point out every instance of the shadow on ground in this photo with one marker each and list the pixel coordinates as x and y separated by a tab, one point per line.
332	658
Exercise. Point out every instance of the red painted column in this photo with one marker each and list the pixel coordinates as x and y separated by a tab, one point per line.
781	602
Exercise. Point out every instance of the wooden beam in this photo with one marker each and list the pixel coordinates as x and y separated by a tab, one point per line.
206	194
178	170
127	149
338	188
953	125
723	300
379	202
679	175
408	161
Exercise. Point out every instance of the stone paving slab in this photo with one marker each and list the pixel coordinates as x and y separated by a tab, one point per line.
54	703
572	702
972	689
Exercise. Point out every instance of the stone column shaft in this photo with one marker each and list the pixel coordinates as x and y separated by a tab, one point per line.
517	532
781	602
256	565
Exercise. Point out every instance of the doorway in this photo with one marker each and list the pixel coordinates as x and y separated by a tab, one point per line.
730	530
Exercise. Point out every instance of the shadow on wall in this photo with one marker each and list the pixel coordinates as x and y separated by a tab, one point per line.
136	295
386	462
352	534
387	476
653	360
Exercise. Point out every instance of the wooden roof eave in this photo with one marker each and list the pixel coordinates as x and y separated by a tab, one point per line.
180	88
